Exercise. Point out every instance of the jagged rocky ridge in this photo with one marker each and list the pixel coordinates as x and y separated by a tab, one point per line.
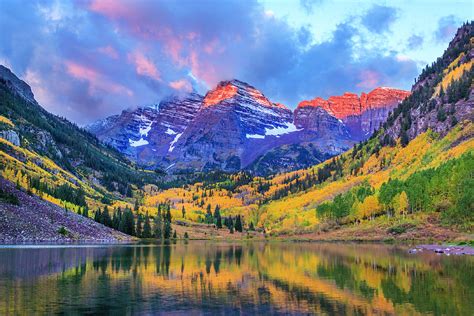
235	127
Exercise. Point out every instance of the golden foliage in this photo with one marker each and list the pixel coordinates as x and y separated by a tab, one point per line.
6	121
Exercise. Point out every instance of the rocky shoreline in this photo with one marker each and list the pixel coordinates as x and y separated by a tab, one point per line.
443	249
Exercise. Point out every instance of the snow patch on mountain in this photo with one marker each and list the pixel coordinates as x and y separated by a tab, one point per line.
138	143
255	136
174	142
169	131
276	131
143	131
145	125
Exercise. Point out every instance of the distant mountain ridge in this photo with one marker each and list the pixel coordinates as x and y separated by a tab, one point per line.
362	114
235	126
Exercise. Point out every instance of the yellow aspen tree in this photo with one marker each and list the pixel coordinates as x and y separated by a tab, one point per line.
370	206
403	203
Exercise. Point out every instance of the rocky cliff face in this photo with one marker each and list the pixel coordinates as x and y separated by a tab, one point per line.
234	127
127	131
16	85
363	114
146	134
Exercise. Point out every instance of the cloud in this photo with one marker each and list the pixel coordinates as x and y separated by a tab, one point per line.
379	18
308	5
109	51
447	27
96	80
181	85
90	59
415	41
144	66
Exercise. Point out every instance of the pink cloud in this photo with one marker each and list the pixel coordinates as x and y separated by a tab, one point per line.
110	8
212	46
181	85
173	47
186	47
95	79
369	79
144	66
38	85
205	70
109	51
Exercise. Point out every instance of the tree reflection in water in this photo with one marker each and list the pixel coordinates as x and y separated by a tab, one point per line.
250	278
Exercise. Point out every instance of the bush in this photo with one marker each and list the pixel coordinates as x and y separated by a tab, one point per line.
400	229
63	231
9	198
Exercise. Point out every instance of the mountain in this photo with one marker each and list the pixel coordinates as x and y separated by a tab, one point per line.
236	124
363	114
146	134
235	127
412	179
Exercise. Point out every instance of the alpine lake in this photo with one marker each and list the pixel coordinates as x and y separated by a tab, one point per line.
228	278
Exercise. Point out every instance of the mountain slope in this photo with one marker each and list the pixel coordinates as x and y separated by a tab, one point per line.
146	134
51	222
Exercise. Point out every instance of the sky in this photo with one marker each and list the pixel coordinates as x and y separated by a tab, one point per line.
89	59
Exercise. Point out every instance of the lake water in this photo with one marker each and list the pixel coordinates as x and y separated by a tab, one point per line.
234	278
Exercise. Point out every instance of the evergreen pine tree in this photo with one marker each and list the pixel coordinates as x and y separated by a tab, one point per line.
404	138
116	218
146	227
183	211
129	223
139	229
209	219
85	212
106	220
230	223
238	224
129	192
251	227
217	217
441	114
167	225
97	216
158	224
